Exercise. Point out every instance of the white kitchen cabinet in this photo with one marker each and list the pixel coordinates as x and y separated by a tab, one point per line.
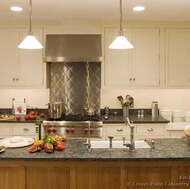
149	131
116	130
177	58
141	131
19	68
133	67
175	134
175	129
19	129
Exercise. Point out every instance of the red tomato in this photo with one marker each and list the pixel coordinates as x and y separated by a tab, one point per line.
42	115
60	147
32	117
26	117
32	113
48	147
33	149
18	117
60	143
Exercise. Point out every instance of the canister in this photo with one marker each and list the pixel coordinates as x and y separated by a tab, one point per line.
154	108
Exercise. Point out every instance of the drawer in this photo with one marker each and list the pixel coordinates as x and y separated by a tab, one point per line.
150	129
175	134
119	130
24	129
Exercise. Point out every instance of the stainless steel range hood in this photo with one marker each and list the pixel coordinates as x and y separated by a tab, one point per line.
73	48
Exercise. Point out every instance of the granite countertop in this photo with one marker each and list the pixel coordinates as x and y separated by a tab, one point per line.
22	120
165	150
135	119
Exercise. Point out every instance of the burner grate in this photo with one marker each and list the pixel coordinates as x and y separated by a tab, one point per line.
81	117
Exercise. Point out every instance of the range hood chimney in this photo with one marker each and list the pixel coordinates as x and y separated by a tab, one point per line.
73	48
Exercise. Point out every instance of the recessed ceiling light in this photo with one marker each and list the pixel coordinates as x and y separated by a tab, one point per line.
138	8
16	8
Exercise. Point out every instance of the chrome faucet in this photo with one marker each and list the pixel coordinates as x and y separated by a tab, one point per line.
131	144
110	143
88	142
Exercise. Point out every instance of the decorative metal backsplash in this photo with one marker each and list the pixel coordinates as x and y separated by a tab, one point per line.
69	83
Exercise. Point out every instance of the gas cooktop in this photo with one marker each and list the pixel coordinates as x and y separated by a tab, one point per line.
76	117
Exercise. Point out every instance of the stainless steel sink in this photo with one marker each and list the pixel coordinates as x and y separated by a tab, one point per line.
118	144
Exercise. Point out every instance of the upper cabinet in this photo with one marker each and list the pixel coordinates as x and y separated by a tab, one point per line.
177	58
19	68
138	67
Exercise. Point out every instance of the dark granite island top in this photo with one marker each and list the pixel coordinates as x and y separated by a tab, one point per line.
165	150
166	166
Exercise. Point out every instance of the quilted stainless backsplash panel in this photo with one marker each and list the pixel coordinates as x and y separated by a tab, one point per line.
68	83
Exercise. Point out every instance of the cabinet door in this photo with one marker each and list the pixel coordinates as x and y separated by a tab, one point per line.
30	63
5	130
26	129
117	69
133	67
178	57
8	56
146	63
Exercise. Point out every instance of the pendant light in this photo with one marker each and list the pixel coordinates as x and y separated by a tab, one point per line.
30	42
121	41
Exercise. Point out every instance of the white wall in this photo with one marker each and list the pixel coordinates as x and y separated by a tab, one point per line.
34	97
167	98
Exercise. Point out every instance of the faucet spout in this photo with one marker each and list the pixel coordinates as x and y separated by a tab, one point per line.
131	145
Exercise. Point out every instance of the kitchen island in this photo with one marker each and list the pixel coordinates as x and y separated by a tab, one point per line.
168	165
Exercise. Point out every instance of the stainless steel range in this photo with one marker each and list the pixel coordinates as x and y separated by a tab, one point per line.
74	126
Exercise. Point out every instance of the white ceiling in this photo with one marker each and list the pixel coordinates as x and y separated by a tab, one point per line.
96	10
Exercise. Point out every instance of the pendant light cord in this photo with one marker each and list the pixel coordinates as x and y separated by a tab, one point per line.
30	31
120	32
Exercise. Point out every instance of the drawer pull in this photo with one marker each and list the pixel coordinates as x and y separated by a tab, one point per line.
26	129
120	130
150	129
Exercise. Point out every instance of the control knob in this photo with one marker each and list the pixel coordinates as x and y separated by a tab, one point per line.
85	130
72	130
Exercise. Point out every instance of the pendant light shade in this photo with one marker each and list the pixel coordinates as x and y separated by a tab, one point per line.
30	42
121	41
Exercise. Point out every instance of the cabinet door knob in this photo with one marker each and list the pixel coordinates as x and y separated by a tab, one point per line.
16	79
130	79
133	79
13	79
150	129
26	129
120	130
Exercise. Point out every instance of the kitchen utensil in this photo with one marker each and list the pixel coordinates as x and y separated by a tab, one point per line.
120	98
125	110
127	99
55	109
107	111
